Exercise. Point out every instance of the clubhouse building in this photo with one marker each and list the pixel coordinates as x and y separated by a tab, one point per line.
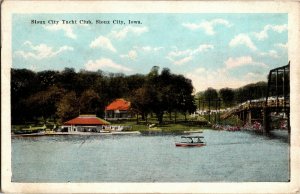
119	109
84	123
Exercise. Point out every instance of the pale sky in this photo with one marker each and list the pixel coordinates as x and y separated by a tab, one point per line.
213	50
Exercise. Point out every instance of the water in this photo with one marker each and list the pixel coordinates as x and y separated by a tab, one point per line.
228	157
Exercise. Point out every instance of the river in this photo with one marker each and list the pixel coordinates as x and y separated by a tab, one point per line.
227	157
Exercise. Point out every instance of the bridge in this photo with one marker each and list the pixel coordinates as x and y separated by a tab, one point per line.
275	106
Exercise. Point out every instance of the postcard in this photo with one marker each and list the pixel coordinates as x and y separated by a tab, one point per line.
150	97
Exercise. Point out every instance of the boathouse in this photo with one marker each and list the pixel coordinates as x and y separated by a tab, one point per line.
84	123
119	109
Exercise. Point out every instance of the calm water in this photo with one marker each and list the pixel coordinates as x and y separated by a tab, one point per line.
228	156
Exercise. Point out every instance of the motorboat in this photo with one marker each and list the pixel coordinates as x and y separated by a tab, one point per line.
193	131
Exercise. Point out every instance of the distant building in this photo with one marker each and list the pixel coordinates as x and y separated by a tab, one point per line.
84	123
119	109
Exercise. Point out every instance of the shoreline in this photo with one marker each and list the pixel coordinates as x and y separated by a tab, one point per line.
76	133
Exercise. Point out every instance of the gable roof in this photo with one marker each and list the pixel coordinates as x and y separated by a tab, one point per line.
118	104
86	120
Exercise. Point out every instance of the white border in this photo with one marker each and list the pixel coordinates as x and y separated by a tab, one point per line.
10	7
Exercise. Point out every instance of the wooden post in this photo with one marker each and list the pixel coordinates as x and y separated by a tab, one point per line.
249	117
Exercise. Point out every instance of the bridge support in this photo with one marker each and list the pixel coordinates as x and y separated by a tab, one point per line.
266	122
288	123
249	117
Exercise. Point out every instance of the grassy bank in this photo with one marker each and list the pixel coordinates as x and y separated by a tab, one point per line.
169	125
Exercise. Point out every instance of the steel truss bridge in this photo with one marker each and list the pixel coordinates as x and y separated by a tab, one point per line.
274	107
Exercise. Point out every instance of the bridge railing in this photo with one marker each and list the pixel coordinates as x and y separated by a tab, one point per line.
257	103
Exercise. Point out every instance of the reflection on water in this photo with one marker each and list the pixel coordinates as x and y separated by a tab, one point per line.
228	156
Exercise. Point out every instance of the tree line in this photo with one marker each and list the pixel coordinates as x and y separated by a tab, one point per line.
230	97
62	95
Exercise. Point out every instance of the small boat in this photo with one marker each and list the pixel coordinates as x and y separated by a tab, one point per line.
125	132
191	141
22	132
193	131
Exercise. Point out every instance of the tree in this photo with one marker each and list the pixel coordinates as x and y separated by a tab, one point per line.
43	103
89	102
68	80
135	82
210	94
141	102
227	95
164	92
184	100
47	79
152	89
68	107
168	90
251	91
118	86
87	80
23	84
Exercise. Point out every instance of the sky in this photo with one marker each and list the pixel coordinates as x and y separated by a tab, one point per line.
213	50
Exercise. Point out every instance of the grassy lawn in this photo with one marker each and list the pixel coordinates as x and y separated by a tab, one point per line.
168	126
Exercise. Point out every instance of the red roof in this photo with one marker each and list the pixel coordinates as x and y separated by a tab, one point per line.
118	104
86	120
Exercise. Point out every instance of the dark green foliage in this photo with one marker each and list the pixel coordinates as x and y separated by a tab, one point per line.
230	97
47	79
251	91
164	92
23	84
210	94
43	103
63	95
227	96
68	107
89	102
